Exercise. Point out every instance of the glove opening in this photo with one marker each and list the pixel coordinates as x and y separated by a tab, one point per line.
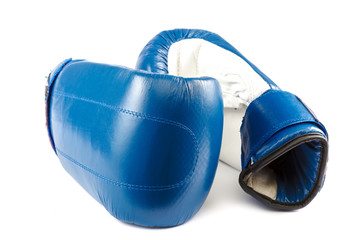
284	151
290	177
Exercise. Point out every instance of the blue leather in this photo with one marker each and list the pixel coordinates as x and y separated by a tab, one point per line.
51	79
154	56
266	116
272	120
278	131
144	145
297	177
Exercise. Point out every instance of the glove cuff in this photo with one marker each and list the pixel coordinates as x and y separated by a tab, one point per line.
284	151
48	90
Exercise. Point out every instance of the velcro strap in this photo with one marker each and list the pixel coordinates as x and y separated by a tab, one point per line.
272	111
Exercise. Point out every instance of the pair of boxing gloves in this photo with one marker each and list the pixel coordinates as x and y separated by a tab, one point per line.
145	143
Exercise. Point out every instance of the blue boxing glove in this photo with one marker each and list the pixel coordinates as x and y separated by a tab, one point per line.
283	147
144	145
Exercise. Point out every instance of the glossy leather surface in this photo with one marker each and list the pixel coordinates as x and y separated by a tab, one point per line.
154	56
273	120
144	145
272	123
297	174
266	116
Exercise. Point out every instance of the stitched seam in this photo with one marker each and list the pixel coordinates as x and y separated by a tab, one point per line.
142	116
50	83
126	111
116	183
273	131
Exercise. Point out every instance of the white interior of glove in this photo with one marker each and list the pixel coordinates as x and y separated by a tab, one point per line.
240	85
263	182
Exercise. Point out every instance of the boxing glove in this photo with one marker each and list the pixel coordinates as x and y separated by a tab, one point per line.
144	145
282	145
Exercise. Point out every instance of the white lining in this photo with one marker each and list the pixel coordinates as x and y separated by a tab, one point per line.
264	182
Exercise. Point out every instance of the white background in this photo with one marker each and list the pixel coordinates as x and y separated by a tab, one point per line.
310	48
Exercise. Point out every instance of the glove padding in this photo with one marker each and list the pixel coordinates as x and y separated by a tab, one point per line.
283	146
144	145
